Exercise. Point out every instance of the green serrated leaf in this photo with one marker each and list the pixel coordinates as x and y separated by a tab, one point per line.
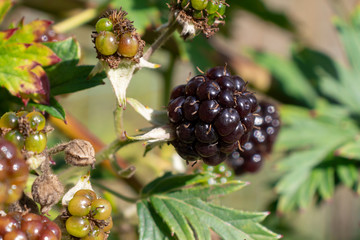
5	6
29	33
348	174
208	192
54	108
188	216
227	223
326	182
67	76
151	226
291	81
310	165
170	182
308	190
22	61
173	218
67	50
350	150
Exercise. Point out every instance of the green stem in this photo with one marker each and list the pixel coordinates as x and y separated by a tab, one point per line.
161	39
77	20
168	79
112	149
116	194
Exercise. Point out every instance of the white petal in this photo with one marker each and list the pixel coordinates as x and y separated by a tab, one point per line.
83	183
155	117
160	134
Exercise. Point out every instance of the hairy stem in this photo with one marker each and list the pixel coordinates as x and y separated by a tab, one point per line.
111	149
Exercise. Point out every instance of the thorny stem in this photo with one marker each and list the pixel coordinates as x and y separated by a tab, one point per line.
116	194
161	39
111	149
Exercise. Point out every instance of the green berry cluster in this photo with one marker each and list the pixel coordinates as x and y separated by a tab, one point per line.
90	216
222	173
205	9
14	173
107	43
20	226
25	130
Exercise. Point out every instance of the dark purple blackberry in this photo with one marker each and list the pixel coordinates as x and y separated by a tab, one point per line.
208	90
227	121
239	83
191	108
177	92
186	132
175	110
243	105
226	82
217	72
193	84
208	110
205	133
226	98
210	115
257	143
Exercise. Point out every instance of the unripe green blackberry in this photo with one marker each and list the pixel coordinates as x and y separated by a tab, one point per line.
197	16
116	39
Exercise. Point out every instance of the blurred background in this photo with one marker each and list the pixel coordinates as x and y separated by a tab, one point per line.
269	26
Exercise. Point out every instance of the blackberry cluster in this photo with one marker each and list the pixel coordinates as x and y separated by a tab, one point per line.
262	138
20	226
88	217
25	130
13	173
210	115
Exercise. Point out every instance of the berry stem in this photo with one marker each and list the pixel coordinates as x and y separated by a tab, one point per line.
172	26
116	194
56	149
167	79
76	130
111	149
119	123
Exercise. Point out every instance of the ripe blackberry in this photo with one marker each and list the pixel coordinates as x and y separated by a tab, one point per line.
210	115
16	225
13	173
258	143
